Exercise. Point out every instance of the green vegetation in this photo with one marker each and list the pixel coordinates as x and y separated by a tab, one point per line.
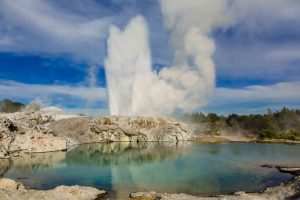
269	134
283	124
8	106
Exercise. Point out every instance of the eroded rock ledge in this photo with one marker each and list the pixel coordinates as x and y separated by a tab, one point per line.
39	132
9	189
120	128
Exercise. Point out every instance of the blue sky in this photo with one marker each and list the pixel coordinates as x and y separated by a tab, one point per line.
53	51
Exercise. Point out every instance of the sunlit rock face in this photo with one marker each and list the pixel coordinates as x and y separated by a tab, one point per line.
38	132
120	128
139	129
27	132
7	135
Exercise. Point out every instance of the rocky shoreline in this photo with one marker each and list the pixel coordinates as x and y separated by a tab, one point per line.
230	138
289	190
10	189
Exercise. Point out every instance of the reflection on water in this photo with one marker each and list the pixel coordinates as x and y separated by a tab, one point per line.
121	168
123	153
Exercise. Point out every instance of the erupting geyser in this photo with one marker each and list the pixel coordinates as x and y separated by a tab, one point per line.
129	57
135	89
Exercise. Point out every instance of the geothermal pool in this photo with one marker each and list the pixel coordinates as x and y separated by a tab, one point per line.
122	168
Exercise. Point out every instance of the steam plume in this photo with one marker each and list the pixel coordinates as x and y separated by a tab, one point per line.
128	56
186	85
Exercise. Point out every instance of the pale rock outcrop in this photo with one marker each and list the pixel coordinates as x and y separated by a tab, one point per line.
7	136
27	132
120	128
9	189
39	132
38	141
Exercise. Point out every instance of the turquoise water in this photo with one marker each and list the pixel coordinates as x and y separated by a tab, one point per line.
122	168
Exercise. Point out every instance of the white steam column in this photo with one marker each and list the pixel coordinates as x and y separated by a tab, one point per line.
188	83
128	57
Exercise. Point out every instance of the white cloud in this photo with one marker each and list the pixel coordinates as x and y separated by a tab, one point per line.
255	98
257	11
279	92
264	44
284	54
38	27
12	89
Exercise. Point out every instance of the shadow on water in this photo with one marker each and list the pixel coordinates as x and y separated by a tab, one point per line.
121	168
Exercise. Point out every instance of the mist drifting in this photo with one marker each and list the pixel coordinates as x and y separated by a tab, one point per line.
187	84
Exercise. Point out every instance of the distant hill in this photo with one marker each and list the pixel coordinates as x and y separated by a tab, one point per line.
9	106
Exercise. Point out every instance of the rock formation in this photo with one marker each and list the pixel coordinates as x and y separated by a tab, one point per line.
117	128
7	136
289	190
27	132
9	189
39	132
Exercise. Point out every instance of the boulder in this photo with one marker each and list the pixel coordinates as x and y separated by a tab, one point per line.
9	189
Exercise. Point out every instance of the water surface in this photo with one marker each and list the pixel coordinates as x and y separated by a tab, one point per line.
122	168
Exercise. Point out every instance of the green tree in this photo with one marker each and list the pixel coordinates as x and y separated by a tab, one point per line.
8	106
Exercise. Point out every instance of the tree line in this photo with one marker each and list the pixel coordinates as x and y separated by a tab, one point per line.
282	124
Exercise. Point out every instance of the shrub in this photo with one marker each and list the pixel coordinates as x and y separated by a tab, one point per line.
8	106
267	134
